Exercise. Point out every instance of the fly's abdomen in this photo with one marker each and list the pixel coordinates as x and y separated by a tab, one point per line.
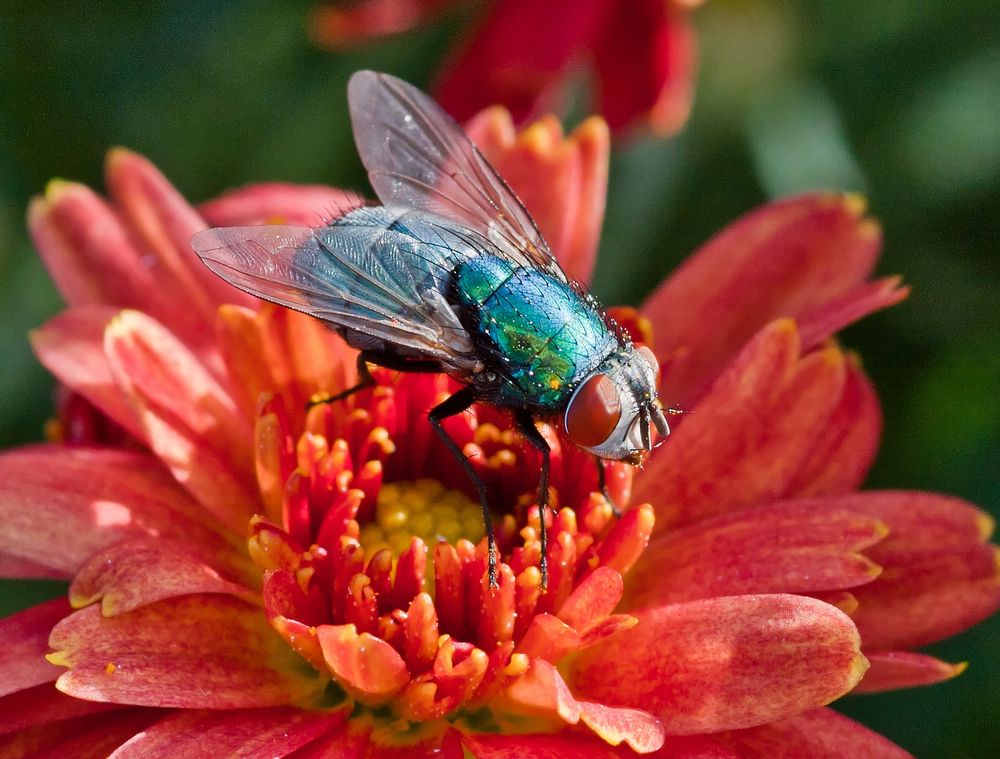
542	335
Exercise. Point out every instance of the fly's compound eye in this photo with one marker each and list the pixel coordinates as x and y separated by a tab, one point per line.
593	411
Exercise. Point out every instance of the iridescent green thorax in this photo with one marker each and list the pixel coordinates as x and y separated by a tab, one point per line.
540	334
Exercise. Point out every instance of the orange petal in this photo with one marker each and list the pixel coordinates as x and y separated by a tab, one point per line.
790	547
24	640
562	181
818	734
549	638
189	419
542	692
702	666
593	599
192	652
784	259
62	504
892	670
641	731
365	666
275	732
749	437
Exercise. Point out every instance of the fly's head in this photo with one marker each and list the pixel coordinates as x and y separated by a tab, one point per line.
614	409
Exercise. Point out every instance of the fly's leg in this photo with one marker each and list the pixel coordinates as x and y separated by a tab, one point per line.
527	426
456	404
365	379
602	485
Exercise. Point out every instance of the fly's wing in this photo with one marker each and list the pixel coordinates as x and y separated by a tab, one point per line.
417	156
358	274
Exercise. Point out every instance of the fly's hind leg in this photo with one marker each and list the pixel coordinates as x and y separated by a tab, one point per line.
365	379
527	426
456	404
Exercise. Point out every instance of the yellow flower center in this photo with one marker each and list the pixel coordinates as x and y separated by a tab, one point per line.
425	509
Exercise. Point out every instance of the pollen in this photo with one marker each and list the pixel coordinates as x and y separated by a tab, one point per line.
425	509
554	383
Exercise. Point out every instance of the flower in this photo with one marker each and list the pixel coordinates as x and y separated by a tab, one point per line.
251	577
522	54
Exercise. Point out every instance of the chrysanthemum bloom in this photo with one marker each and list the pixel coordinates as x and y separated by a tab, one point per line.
247	577
640	54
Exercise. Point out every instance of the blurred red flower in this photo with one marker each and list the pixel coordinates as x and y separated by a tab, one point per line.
357	617
640	55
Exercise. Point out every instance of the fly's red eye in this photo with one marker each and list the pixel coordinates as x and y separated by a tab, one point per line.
593	412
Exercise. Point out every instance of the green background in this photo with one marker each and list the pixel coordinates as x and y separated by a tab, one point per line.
896	99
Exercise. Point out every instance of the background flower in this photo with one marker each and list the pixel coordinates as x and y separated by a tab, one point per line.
221	96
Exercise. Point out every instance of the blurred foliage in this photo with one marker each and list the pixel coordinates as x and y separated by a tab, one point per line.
897	99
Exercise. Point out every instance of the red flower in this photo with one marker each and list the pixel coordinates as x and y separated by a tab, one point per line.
360	619
641	55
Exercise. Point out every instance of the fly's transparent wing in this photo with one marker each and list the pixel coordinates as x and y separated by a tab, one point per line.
364	273
418	157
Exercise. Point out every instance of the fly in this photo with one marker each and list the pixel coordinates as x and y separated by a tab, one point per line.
450	274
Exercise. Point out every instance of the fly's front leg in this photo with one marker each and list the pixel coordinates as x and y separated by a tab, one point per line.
365	379
456	404
527	426
602	485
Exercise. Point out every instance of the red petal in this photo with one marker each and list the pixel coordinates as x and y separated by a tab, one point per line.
43	705
562	181
71	346
641	731
165	223
23	644
724	663
940	575
792	547
348	26
539	746
251	732
548	638
749	437
868	297
593	599
784	259
90	736
61	504
645	59
901	669
366	666
279	203
843	454
135	573
542	692
517	57
190	421
192	652
818	734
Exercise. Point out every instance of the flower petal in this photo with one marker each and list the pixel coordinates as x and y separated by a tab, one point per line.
165	223
701	666
364	665
819	324
189	419
192	652
791	547
562	181
818	734
71	346
279	203
43	705
940	575
593	599
246	732
843	454
538	746
516	57
645	57
892	670
784	259
639	730
61	504
135	573
23	644
94	735
749	437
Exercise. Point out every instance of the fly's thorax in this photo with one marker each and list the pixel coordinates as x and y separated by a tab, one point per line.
537	334
612	409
